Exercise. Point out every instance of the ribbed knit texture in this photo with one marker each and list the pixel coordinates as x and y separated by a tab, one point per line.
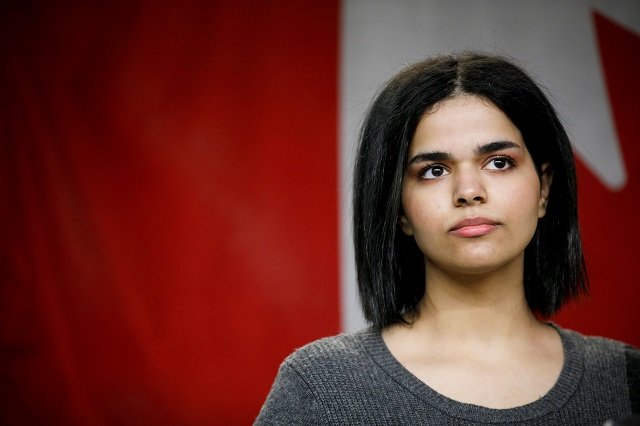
633	377
354	380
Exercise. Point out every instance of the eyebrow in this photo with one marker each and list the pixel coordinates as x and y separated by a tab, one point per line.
495	146
479	150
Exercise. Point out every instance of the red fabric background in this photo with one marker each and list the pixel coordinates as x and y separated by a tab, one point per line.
609	218
168	206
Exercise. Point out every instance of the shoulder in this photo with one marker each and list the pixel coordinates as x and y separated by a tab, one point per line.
319	382
600	354
331	354
596	348
613	360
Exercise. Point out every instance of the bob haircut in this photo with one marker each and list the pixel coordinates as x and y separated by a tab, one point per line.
390	266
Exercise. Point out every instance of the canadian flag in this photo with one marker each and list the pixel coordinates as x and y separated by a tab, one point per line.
174	196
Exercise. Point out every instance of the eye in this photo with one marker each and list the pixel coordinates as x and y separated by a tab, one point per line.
433	171
500	163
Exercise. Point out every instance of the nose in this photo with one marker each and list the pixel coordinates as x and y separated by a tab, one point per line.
469	189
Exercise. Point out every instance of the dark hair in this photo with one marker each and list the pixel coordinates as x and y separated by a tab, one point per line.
390	266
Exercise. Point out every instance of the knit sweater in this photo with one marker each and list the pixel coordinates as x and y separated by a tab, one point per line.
353	379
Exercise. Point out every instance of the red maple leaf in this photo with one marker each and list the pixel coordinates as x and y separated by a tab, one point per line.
608	218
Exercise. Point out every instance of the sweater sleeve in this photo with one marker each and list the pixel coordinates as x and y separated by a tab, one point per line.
632	356
291	401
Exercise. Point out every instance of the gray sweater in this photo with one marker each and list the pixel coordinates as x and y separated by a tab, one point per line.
353	379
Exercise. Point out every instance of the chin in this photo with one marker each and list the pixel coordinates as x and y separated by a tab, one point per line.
476	267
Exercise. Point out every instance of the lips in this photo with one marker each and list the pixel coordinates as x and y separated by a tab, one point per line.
474	227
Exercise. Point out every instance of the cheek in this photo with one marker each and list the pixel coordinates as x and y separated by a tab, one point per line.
523	200
424	211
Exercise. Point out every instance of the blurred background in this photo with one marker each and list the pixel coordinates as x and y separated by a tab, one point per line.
174	192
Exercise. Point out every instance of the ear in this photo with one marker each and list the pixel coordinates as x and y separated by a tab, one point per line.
404	225
546	177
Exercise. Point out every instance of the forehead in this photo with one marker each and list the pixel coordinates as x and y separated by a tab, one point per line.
462	123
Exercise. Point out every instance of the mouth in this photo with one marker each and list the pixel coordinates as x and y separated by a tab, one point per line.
474	227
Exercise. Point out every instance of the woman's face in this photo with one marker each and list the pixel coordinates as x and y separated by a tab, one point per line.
471	196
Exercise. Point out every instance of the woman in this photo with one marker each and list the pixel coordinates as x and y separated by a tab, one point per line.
466	234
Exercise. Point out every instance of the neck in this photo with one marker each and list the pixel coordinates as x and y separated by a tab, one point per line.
475	307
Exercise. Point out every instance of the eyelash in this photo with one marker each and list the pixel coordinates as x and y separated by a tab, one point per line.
510	163
423	171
